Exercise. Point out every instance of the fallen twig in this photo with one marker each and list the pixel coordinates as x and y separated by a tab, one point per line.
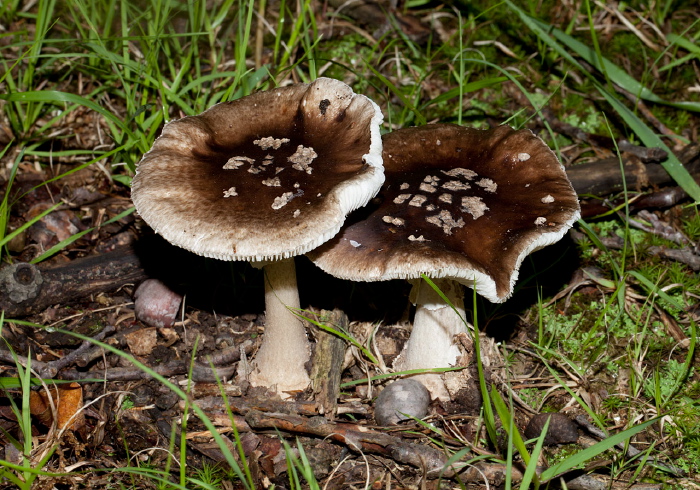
360	439
244	405
659	228
201	371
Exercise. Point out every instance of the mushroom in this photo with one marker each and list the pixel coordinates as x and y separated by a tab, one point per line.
462	206
265	178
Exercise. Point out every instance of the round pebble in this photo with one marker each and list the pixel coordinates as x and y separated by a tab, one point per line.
155	304
404	396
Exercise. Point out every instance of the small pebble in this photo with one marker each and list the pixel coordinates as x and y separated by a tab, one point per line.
404	396
155	304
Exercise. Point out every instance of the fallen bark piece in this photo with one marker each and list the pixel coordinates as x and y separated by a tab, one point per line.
355	437
173	368
86	350
685	255
646	155
26	289
329	353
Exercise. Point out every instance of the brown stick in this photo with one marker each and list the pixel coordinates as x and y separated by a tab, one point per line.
665	198
243	406
201	371
603	177
360	439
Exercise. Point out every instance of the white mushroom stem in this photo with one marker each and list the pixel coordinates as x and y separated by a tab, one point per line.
432	341
281	359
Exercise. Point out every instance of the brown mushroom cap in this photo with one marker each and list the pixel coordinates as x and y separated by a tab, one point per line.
457	203
264	177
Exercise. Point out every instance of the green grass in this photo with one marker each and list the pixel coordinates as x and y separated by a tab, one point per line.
132	66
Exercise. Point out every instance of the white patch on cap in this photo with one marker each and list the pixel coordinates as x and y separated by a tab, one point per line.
270	142
523	157
394	221
413	238
254	170
488	185
417	200
235	162
231	192
455	185
540	221
431	179
302	158
273	182
354	243
296	213
431	207
547	199
268	160
401	198
427	187
460	172
445	221
446	198
404	186
282	200
474	206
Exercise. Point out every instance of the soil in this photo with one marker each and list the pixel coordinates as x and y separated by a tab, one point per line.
130	418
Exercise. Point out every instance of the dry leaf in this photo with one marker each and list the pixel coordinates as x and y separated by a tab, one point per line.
141	342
